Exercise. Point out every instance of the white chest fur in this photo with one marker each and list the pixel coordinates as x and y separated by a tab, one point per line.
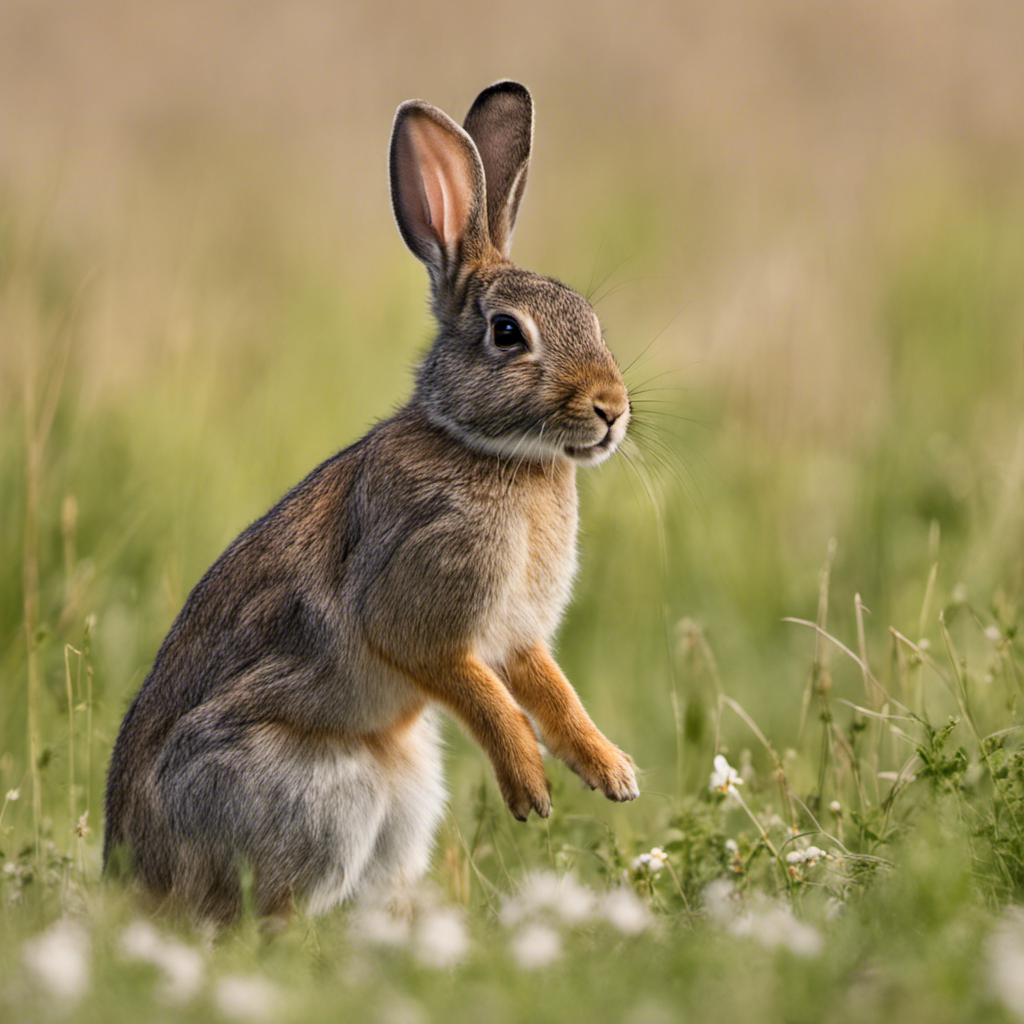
537	574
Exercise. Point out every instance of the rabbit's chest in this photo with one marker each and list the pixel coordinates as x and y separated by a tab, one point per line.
535	583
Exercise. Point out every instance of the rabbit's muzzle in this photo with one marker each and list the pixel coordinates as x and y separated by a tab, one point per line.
610	413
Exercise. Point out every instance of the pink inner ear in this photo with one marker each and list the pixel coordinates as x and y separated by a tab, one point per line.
446	181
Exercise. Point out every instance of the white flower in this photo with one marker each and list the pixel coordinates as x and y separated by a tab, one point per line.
769	922
537	945
180	965
725	778
625	911
652	862
1006	961
732	847
544	891
836	808
720	900
379	928
810	855
247	997
773	924
993	633
58	959
13	794
441	938
833	908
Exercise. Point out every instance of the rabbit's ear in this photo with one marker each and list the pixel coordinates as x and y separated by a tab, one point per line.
500	122
437	190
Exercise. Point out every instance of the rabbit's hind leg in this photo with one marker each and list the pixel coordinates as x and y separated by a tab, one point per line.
266	810
416	800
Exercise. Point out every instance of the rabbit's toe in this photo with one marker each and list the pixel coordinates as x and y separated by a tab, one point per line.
527	794
615	776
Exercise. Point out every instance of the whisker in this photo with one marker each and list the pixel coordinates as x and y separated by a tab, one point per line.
675	316
655	507
617	266
632	280
668	415
658	451
659	430
593	268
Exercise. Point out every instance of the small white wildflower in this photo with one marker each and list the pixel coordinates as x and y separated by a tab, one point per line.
58	959
769	922
563	895
993	633
441	938
13	794
772	924
379	928
810	855
537	945
836	808
652	862
1006	961
180	965
725	778
720	900
625	911
248	997
732	847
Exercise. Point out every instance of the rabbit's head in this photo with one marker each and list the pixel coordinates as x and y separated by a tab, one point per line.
519	367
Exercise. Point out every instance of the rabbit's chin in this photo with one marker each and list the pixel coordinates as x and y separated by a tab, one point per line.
593	454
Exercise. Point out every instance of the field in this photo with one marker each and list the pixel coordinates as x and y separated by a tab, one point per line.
803	230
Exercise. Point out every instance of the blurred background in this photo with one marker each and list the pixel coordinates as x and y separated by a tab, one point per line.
801	224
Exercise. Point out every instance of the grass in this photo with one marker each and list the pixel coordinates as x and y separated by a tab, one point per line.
812	564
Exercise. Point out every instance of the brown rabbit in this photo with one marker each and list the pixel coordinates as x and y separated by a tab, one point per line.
288	726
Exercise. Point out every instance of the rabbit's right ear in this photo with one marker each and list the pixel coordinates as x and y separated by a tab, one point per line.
437	190
500	122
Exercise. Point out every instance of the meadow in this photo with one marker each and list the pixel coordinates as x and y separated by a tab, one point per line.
801	598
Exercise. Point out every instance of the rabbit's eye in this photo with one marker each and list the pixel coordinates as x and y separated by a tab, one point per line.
507	334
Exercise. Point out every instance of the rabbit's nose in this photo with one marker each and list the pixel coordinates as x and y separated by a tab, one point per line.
610	408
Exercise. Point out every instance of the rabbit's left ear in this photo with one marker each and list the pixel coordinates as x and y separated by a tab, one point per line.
500	122
437	190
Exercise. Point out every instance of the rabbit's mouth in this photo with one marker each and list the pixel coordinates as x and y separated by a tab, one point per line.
592	454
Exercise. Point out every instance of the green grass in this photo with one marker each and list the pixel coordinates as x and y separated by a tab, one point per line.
167	411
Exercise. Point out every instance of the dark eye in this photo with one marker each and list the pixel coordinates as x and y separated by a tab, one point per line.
507	334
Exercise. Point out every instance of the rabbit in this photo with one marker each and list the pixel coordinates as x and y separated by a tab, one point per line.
288	733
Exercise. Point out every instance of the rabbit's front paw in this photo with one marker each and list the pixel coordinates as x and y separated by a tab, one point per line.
610	770
527	790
